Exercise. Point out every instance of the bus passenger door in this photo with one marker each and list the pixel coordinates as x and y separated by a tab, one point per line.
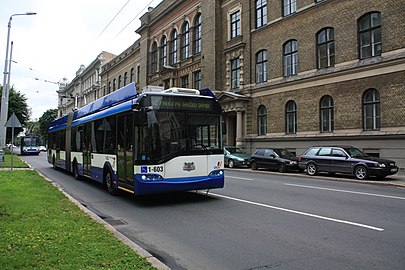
125	146
86	141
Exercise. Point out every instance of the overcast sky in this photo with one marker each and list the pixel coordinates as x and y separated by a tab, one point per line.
62	36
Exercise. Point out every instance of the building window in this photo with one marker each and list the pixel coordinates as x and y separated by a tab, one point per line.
235	73
163	52
289	7
325	48
326	114
197	80
114	84
131	78
184	81
262	120
291	117
371	110
370	35
235	24
290	58
261	13
173	48
109	87
125	78
119	82
261	66
185	41
153	60
138	74
197	34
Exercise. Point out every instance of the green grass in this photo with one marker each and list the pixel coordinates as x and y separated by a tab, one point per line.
17	163
41	229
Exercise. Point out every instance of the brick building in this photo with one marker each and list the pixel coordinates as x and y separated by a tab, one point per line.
288	73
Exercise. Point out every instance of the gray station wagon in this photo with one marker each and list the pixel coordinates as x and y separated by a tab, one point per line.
346	160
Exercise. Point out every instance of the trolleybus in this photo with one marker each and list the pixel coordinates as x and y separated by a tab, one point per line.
153	142
29	145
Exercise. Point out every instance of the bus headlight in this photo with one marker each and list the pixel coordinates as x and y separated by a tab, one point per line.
216	173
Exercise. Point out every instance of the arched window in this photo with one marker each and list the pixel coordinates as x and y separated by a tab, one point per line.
262	120
131	78
326	114
291	117
173	47
325	48
119	82
197	34
114	84
163	52
371	110
109	87
290	58
261	66
370	35
125	78
153	58
185	41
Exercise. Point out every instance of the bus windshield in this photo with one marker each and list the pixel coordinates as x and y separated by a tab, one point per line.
30	141
167	134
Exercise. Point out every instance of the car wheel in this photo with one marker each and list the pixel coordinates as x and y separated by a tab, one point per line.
311	169
253	165
109	183
361	172
282	168
231	163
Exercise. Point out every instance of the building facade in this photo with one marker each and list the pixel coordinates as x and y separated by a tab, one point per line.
85	87
288	73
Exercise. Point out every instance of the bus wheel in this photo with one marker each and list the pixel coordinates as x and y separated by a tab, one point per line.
109	183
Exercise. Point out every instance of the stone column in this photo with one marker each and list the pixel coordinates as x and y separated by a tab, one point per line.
239	128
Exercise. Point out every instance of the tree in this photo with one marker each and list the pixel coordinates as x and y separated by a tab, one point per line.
45	120
17	103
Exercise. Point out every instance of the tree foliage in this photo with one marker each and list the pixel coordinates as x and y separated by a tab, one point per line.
45	120
17	103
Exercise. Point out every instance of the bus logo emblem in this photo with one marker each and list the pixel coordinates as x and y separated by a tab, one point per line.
144	169
188	166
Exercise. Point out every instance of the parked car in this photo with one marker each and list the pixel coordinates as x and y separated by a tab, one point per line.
274	158
42	148
345	160
235	157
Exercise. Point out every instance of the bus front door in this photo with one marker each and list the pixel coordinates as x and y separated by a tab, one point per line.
125	146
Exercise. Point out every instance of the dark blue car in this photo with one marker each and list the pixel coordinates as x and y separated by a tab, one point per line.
345	160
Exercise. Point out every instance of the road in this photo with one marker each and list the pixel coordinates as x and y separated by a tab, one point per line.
258	221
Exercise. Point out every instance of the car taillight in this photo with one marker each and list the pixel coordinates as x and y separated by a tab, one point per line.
299	158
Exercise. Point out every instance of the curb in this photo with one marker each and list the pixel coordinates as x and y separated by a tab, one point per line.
136	248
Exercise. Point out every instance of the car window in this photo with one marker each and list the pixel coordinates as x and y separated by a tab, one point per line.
325	151
283	153
259	152
354	152
312	151
338	153
268	153
234	150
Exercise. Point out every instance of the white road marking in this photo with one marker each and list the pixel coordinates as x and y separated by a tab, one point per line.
347	191
241	178
298	212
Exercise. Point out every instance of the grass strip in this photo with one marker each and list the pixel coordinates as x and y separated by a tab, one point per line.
17	163
41	229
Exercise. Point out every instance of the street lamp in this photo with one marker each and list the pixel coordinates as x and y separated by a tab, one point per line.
6	86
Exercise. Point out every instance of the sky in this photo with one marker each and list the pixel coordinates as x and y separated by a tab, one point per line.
63	35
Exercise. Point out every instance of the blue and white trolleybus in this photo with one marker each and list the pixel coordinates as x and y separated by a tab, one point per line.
154	142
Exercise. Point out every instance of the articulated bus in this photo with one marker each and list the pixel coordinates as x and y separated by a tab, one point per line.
29	145
153	142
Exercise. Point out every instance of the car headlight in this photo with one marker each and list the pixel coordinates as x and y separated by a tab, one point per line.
381	165
239	159
293	162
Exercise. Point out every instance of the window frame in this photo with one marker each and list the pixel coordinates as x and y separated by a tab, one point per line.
290	51
154	57
185	41
289	7
163	52
197	34
261	13
326	114
375	105
261	64
235	73
261	120
235	23
329	44
372	31
174	46
291	117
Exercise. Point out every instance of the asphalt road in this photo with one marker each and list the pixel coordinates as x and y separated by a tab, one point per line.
258	221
